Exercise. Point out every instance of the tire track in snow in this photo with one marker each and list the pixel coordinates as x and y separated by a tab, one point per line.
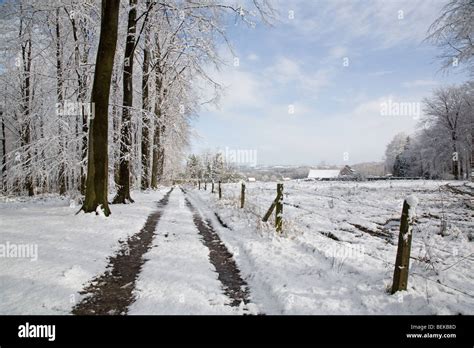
178	278
222	260
111	292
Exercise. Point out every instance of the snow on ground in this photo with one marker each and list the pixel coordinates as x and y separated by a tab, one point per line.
336	255
338	252
178	277
71	249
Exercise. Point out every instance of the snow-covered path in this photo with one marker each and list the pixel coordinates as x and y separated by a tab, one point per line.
178	277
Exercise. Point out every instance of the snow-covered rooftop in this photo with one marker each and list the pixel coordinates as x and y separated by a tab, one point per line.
323	173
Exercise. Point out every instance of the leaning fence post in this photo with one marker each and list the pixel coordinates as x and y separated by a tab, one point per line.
242	195
277	201
402	263
279	208
220	190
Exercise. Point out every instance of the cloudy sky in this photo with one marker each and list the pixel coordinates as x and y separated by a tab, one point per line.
311	88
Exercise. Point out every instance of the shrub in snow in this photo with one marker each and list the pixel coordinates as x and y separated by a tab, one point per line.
454	233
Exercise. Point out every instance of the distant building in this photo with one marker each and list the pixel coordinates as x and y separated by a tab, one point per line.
251	179
321	174
347	171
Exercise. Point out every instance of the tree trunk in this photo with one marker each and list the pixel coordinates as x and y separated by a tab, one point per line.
158	121
115	126
161	155
145	144
26	123
156	150
82	93
97	166
472	155
25	103
123	193
4	154
455	157
155	167
60	98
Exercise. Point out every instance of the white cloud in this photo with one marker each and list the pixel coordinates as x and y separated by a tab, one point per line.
310	135
240	89
254	108
243	88
375	21
287	72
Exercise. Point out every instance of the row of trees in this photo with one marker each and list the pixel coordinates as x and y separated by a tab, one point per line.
69	68
210	167
442	146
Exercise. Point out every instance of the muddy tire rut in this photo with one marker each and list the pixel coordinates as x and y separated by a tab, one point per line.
228	273
111	293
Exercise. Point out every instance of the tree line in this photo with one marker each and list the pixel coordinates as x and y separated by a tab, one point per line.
98	95
443	145
211	167
441	148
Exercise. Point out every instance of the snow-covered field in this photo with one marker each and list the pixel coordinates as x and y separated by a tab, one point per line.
336	254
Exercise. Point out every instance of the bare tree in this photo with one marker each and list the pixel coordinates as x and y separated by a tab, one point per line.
453	32
123	192
97	169
26	95
145	143
447	113
4	150
60	95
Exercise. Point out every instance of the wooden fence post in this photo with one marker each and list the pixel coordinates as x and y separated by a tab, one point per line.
242	195
269	211
205	185
199	184
277	205
402	263
279	208
220	190
212	187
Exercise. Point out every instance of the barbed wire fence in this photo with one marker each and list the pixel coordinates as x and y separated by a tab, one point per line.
255	201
